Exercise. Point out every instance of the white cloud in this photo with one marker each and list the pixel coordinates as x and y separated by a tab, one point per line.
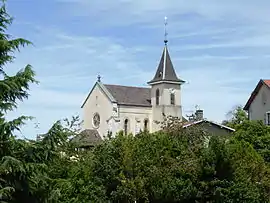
256	41
149	11
220	58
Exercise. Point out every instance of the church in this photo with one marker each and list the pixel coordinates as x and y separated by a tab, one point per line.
110	108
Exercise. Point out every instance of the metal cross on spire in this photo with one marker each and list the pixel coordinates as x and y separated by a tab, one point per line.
99	78
165	30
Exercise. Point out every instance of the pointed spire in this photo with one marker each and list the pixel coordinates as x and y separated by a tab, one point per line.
165	71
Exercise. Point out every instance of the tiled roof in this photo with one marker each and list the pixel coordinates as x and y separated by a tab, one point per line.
165	70
192	123
267	82
255	92
88	137
127	95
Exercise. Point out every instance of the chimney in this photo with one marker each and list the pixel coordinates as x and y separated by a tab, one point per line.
199	114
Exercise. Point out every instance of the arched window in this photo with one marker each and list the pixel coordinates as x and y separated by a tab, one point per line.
157	97
146	124
172	99
126	126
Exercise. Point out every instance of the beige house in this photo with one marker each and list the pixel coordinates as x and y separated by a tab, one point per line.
211	127
258	104
111	108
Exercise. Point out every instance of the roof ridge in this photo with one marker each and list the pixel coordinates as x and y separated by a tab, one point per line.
127	86
267	81
187	124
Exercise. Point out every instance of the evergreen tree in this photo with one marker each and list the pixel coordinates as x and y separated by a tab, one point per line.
13	88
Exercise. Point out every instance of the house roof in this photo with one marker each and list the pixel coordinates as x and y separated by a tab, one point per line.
165	71
127	95
267	82
88	137
192	123
255	92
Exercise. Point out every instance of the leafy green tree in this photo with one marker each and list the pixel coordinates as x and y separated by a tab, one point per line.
257	134
235	117
175	167
233	172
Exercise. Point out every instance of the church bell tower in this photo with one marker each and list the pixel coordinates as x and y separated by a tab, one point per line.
165	89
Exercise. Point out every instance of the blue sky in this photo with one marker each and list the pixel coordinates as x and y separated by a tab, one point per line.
221	48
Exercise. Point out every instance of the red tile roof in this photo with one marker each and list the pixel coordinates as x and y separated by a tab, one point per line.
255	92
267	82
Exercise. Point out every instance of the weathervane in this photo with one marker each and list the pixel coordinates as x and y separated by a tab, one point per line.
165	30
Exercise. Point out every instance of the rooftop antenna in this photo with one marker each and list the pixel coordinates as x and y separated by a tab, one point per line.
165	30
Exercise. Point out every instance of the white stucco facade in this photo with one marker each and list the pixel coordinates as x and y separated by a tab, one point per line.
136	117
97	102
165	108
139	117
260	105
110	121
